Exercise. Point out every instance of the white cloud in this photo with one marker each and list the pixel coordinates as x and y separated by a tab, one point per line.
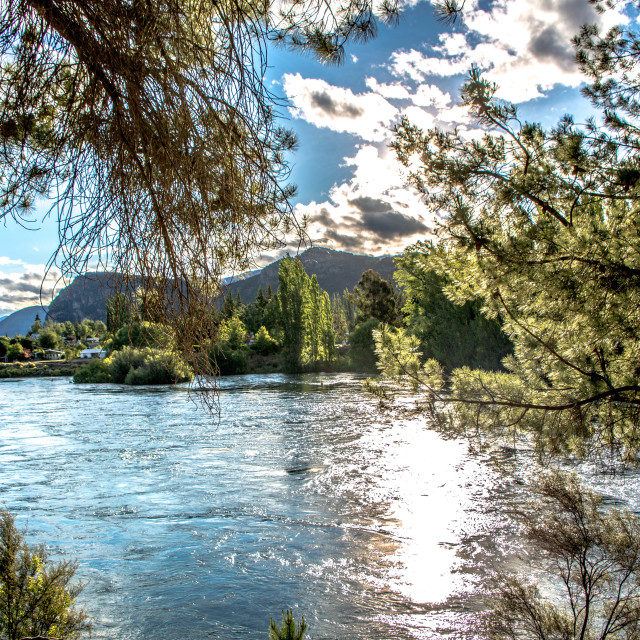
365	115
23	284
391	91
522	45
373	212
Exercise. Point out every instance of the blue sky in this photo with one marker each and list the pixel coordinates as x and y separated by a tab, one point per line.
349	186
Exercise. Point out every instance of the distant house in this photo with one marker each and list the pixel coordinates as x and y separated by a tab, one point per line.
92	342
93	353
53	354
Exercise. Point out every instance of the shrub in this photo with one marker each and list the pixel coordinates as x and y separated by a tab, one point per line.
362	353
264	344
36	596
121	362
96	371
140	335
288	630
147	366
230	361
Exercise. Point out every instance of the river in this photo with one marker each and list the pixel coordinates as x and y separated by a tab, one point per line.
300	495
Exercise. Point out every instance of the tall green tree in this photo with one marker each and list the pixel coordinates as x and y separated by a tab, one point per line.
541	226
292	285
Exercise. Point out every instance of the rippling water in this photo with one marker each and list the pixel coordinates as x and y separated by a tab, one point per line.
302	496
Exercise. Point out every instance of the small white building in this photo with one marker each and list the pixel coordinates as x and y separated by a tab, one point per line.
93	353
92	342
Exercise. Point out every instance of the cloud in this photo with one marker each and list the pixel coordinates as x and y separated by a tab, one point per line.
366	115
23	285
526	59
371	212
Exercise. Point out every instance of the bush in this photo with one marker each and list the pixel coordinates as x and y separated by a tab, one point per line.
264	344
362	354
96	371
15	352
147	366
230	361
141	335
36	596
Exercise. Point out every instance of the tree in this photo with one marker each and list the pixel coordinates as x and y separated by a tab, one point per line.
291	291
49	339
150	126
455	335
264	344
36	327
120	312
594	554
541	226
37	597
15	352
376	298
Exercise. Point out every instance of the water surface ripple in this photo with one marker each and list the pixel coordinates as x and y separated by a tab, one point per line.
302	496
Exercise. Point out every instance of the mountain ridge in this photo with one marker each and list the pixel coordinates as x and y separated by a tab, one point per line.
336	271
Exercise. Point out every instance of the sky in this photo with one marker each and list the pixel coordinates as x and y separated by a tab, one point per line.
350	187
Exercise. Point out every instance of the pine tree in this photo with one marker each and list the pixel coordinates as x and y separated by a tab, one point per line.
541	227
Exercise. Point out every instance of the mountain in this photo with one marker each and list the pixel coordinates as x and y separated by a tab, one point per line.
336	271
84	298
20	321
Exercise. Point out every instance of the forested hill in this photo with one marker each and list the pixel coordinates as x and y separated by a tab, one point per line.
336	270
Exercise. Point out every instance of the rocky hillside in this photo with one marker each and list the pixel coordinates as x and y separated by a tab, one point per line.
84	298
336	271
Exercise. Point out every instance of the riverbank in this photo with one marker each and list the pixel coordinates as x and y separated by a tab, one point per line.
42	368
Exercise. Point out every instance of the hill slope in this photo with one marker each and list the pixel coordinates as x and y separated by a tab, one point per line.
336	271
20	321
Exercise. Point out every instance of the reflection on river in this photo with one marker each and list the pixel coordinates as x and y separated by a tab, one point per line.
301	496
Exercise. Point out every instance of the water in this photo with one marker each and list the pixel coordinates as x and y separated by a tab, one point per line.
302	496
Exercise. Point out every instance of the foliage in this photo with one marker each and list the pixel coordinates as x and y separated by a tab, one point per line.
362	354
292	281
233	332
264	344
36	327
304	316
376	298
120	312
49	339
97	371
595	554
289	630
141	334
37	597
230	361
147	366
15	352
541	226
455	335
